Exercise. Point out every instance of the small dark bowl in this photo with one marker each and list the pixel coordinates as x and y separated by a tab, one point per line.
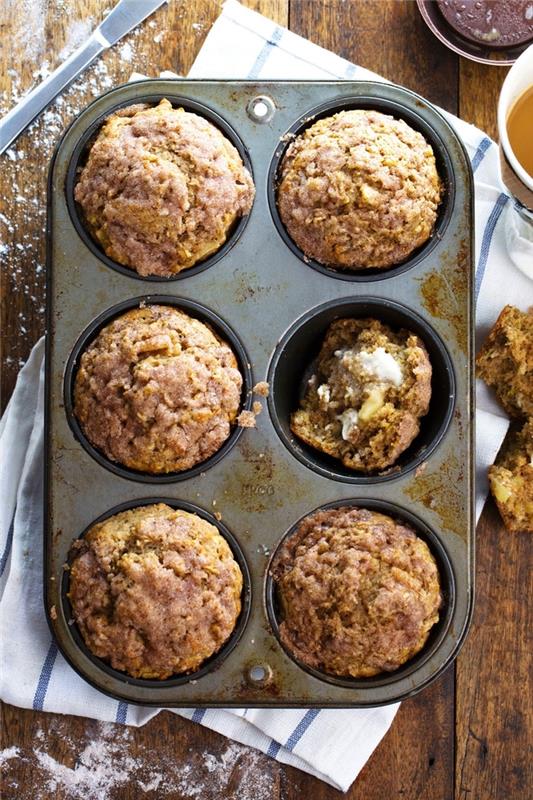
482	52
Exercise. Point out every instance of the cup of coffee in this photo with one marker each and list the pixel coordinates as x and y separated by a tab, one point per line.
515	128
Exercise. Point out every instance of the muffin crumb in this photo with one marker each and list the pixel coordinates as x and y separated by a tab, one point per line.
505	362
262	389
246	419
511	480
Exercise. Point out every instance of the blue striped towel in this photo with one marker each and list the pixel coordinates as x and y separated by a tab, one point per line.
331	744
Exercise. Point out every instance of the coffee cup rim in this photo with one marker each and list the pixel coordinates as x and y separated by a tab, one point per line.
504	106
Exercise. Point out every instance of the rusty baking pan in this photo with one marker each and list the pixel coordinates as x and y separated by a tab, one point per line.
274	306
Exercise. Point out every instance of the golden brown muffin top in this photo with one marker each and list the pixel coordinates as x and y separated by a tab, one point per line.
359	189
157	390
154	591
161	188
359	592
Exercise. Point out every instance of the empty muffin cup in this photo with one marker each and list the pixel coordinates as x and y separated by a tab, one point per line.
155	441
153	193
293	364
406	260
431	587
134	564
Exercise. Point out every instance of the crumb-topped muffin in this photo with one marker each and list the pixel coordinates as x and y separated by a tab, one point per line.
505	361
359	189
154	591
358	592
162	188
364	402
511	480
157	390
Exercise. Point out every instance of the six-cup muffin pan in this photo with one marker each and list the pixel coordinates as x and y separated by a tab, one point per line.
273	305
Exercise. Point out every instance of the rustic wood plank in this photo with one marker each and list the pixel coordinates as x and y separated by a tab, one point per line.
416	758
494	711
388	37
494	720
479	88
177	758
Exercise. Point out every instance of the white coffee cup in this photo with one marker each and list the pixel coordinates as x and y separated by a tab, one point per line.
518	80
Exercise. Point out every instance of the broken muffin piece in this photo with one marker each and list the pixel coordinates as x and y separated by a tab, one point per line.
505	361
363	405
511	480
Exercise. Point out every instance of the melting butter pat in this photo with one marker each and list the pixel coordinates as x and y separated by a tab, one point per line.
381	365
324	394
349	419
373	403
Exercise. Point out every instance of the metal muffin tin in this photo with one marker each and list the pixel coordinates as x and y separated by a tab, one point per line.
273	306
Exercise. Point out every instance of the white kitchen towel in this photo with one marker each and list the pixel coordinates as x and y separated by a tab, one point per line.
330	744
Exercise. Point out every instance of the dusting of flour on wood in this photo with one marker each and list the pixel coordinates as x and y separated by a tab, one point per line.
110	760
23	204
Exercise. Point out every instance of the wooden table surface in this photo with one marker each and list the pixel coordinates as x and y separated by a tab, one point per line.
466	736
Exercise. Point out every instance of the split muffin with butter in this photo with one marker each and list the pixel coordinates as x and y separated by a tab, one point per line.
370	388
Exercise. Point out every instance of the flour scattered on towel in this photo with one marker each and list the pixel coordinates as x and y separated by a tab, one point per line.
110	760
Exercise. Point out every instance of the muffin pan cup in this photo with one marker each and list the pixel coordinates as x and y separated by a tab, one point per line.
266	294
193	309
